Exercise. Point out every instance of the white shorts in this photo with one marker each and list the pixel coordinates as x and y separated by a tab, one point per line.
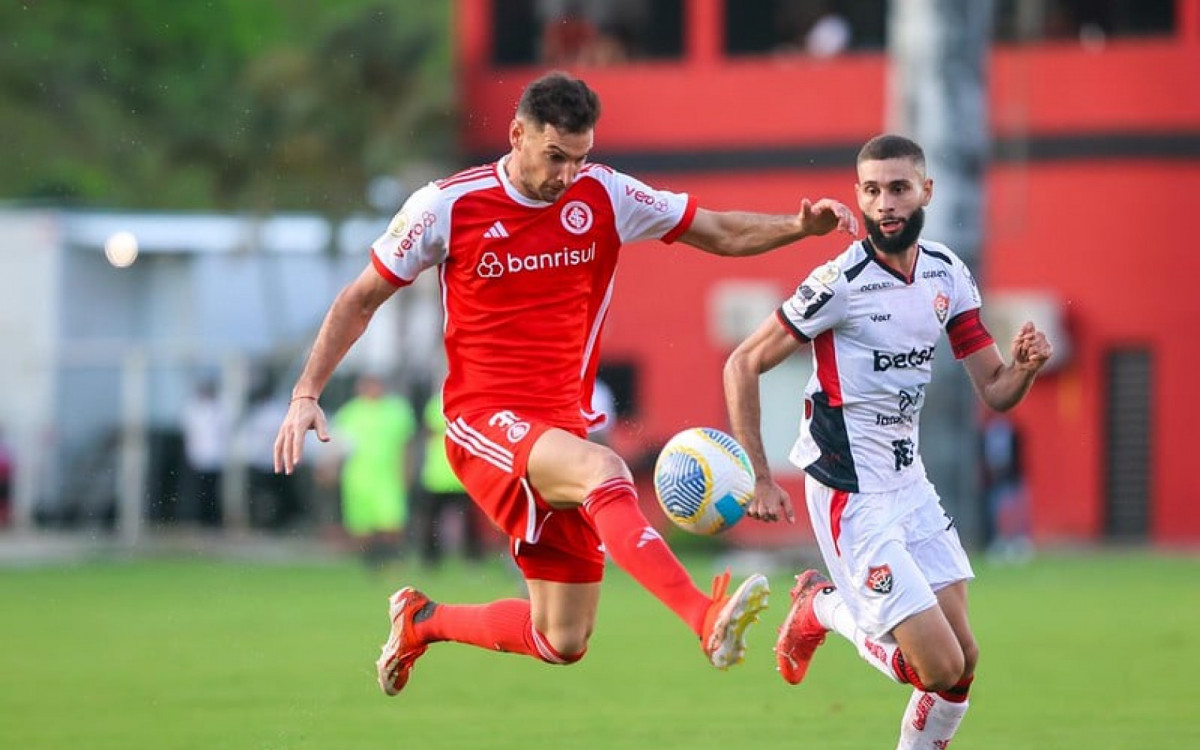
887	552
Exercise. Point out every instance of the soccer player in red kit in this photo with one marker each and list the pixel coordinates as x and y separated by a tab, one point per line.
526	251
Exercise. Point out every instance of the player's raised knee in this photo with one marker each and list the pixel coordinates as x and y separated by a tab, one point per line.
942	672
603	464
561	647
970	658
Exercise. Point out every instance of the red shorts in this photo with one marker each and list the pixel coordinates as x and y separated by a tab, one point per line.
489	451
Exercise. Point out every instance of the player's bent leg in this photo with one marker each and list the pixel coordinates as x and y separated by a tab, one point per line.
564	616
953	601
933	656
565	468
568	470
932	719
506	625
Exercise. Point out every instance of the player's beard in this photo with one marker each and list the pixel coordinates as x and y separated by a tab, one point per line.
902	240
552	191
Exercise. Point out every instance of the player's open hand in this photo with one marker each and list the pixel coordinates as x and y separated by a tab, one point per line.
770	502
1030	349
826	215
304	414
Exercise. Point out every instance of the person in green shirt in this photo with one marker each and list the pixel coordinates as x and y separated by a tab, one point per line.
441	492
377	430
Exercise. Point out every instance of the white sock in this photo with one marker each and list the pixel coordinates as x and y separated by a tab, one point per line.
929	722
832	612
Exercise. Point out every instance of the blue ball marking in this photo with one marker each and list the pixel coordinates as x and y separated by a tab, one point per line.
730	509
682	485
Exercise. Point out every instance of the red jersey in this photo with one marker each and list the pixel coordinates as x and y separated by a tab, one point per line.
525	284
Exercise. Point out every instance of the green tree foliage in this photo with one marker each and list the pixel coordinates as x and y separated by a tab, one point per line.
219	104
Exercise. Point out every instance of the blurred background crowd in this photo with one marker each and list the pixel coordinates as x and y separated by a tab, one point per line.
186	186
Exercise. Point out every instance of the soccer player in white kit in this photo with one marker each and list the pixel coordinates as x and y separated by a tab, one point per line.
874	316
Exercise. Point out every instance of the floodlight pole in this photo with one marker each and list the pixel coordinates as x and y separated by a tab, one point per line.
938	96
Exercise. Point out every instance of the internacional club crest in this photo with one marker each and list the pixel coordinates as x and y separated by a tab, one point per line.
576	217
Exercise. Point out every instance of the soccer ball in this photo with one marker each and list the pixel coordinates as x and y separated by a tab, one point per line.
703	480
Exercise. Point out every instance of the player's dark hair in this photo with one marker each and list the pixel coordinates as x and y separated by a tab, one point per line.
562	101
889	146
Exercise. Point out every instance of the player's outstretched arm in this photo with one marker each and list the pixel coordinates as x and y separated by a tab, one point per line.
738	233
346	320
762	350
1002	386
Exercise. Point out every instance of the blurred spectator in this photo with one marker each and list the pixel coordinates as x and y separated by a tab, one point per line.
206	432
441	493
566	35
6	472
814	28
91	487
589	32
605	48
1007	532
828	36
274	498
375	431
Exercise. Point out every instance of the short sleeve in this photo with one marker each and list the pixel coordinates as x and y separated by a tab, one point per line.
818	304
642	212
415	239
966	290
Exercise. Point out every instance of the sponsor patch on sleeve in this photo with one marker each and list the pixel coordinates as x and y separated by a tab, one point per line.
399	225
815	292
826	274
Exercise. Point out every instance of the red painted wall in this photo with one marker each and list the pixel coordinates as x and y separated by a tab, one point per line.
1110	236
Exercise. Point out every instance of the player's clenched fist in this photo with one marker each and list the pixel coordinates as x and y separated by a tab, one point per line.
1031	349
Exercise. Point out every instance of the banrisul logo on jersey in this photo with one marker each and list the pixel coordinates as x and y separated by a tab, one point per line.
494	265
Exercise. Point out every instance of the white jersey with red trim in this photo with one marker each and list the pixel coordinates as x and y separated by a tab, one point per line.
525	284
874	335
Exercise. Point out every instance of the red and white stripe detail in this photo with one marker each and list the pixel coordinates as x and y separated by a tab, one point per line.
479	445
467	175
827	367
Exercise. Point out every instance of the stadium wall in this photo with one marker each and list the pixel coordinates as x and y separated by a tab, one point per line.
1094	147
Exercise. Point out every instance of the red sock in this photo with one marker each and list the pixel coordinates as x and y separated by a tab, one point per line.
957	693
905	672
502	625
640	550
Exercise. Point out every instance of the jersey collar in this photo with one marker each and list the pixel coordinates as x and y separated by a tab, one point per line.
511	190
873	254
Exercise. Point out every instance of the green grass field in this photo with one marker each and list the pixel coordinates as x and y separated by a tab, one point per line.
1080	651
